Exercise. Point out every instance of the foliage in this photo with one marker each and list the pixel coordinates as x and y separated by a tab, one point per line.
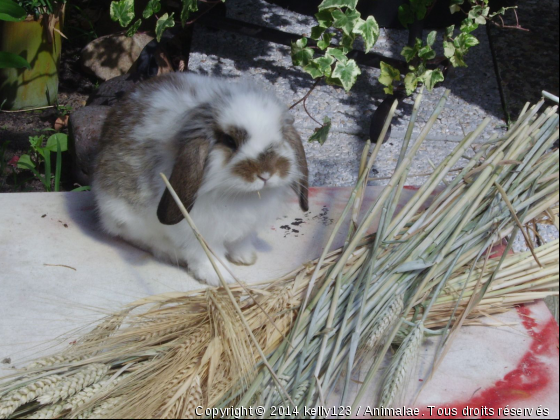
40	155
39	7
12	12
339	23
122	11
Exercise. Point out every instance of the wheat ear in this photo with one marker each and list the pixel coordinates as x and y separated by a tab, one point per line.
391	314
15	399
73	384
401	365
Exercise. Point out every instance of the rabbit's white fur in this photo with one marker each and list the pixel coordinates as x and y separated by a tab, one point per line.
227	210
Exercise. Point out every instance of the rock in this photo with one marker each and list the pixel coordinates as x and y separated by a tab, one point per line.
113	55
84	132
111	91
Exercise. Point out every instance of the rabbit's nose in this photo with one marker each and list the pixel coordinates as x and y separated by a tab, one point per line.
265	176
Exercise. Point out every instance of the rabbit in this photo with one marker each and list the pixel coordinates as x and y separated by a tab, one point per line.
230	151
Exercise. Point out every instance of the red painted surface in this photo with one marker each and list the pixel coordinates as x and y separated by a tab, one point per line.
531	376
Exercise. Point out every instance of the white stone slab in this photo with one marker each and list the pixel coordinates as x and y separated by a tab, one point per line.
59	273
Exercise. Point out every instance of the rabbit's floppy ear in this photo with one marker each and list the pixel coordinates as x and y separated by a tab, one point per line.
301	185
185	179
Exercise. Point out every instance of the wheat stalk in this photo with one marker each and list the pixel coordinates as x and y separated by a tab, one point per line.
294	339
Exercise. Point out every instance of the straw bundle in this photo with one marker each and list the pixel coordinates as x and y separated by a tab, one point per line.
290	341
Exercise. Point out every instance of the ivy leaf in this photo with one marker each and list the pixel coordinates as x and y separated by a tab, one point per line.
431	77
122	11
410	83
345	21
348	43
321	134
410	52
325	64
468	26
324	18
134	28
458	59
338	54
449	32
152	8
420	7
329	4
163	23
324	43
426	53
448	49
387	76
456	6
369	30
465	41
313	70
60	138
347	73
317	31
188	7
406	17
431	38
301	54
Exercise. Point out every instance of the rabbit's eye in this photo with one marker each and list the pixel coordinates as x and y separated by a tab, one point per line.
228	141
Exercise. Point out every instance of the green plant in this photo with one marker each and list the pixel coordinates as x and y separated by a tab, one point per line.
63	110
122	11
40	7
12	12
40	155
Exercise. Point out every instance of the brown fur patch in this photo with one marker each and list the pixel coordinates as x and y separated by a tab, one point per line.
247	170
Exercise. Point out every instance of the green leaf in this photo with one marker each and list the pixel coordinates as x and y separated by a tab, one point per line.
345	21
389	90
317	31
314	70
456	6
59	138
324	43
468	26
152	8
9	60
347	73
324	18
163	23
25	162
431	77
333	81
426	53
458	59
348	43
301	54
369	30
11	11
431	38
189	6
329	4
448	49
321	134
388	74
410	83
465	41
410	52
134	28
449	32
406	16
325	64
338	54
122	11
